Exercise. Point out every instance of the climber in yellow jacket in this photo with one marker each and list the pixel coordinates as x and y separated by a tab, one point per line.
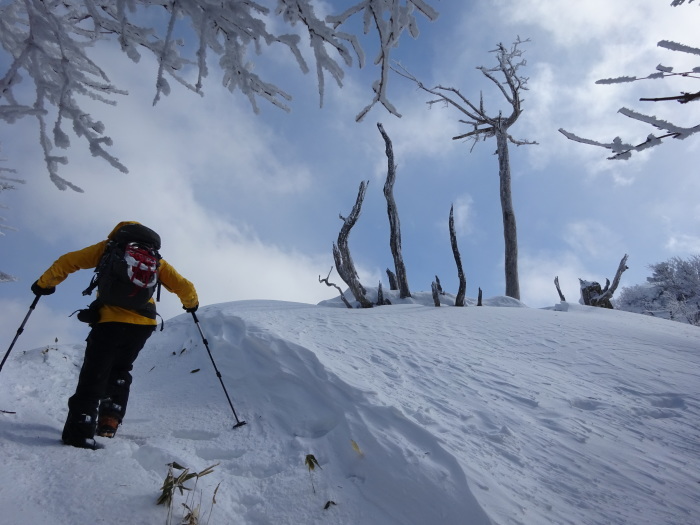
117	336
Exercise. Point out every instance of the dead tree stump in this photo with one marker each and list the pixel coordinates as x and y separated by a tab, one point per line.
593	295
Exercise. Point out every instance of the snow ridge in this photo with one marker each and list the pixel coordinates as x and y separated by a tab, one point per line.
416	415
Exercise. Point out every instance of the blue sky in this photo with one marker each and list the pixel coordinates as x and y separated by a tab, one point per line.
248	204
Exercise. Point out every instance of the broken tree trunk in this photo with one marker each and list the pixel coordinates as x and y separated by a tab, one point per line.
394	224
462	291
439	286
561	295
436	293
593	295
392	280
341	252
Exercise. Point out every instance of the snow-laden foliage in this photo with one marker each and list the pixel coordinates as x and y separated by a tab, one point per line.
672	291
622	149
50	43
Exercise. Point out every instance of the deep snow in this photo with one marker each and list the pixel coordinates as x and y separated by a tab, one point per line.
416	415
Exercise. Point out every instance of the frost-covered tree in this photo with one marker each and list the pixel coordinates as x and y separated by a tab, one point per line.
510	83
672	291
622	149
50	43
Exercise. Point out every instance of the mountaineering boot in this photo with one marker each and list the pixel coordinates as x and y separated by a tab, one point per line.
79	431
107	426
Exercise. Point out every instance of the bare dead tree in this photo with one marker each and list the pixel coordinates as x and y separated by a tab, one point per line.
461	292
561	295
485	125
328	283
623	150
593	295
341	251
394	223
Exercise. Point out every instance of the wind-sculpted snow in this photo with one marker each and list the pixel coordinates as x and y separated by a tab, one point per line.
415	414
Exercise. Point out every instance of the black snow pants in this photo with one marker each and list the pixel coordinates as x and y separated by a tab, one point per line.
105	377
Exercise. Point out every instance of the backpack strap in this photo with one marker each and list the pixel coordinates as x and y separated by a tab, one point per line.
100	266
91	286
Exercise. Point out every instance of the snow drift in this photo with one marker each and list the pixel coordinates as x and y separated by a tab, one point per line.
416	415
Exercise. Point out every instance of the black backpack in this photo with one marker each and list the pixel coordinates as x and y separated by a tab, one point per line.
127	273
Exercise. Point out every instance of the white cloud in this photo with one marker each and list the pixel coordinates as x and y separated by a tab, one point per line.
537	273
464	214
610	23
591	238
684	244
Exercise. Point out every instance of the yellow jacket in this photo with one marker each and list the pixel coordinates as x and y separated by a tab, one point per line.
90	257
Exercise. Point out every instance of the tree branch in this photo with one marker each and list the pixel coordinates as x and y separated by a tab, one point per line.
684	98
328	283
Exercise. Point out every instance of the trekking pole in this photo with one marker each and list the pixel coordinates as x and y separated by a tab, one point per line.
19	330
239	423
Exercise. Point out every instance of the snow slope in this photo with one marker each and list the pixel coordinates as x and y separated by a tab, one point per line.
416	415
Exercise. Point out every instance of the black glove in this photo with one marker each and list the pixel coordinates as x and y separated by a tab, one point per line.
38	290
191	309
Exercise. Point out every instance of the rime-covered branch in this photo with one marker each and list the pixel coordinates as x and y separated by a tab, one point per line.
623	150
390	18
484	124
50	44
